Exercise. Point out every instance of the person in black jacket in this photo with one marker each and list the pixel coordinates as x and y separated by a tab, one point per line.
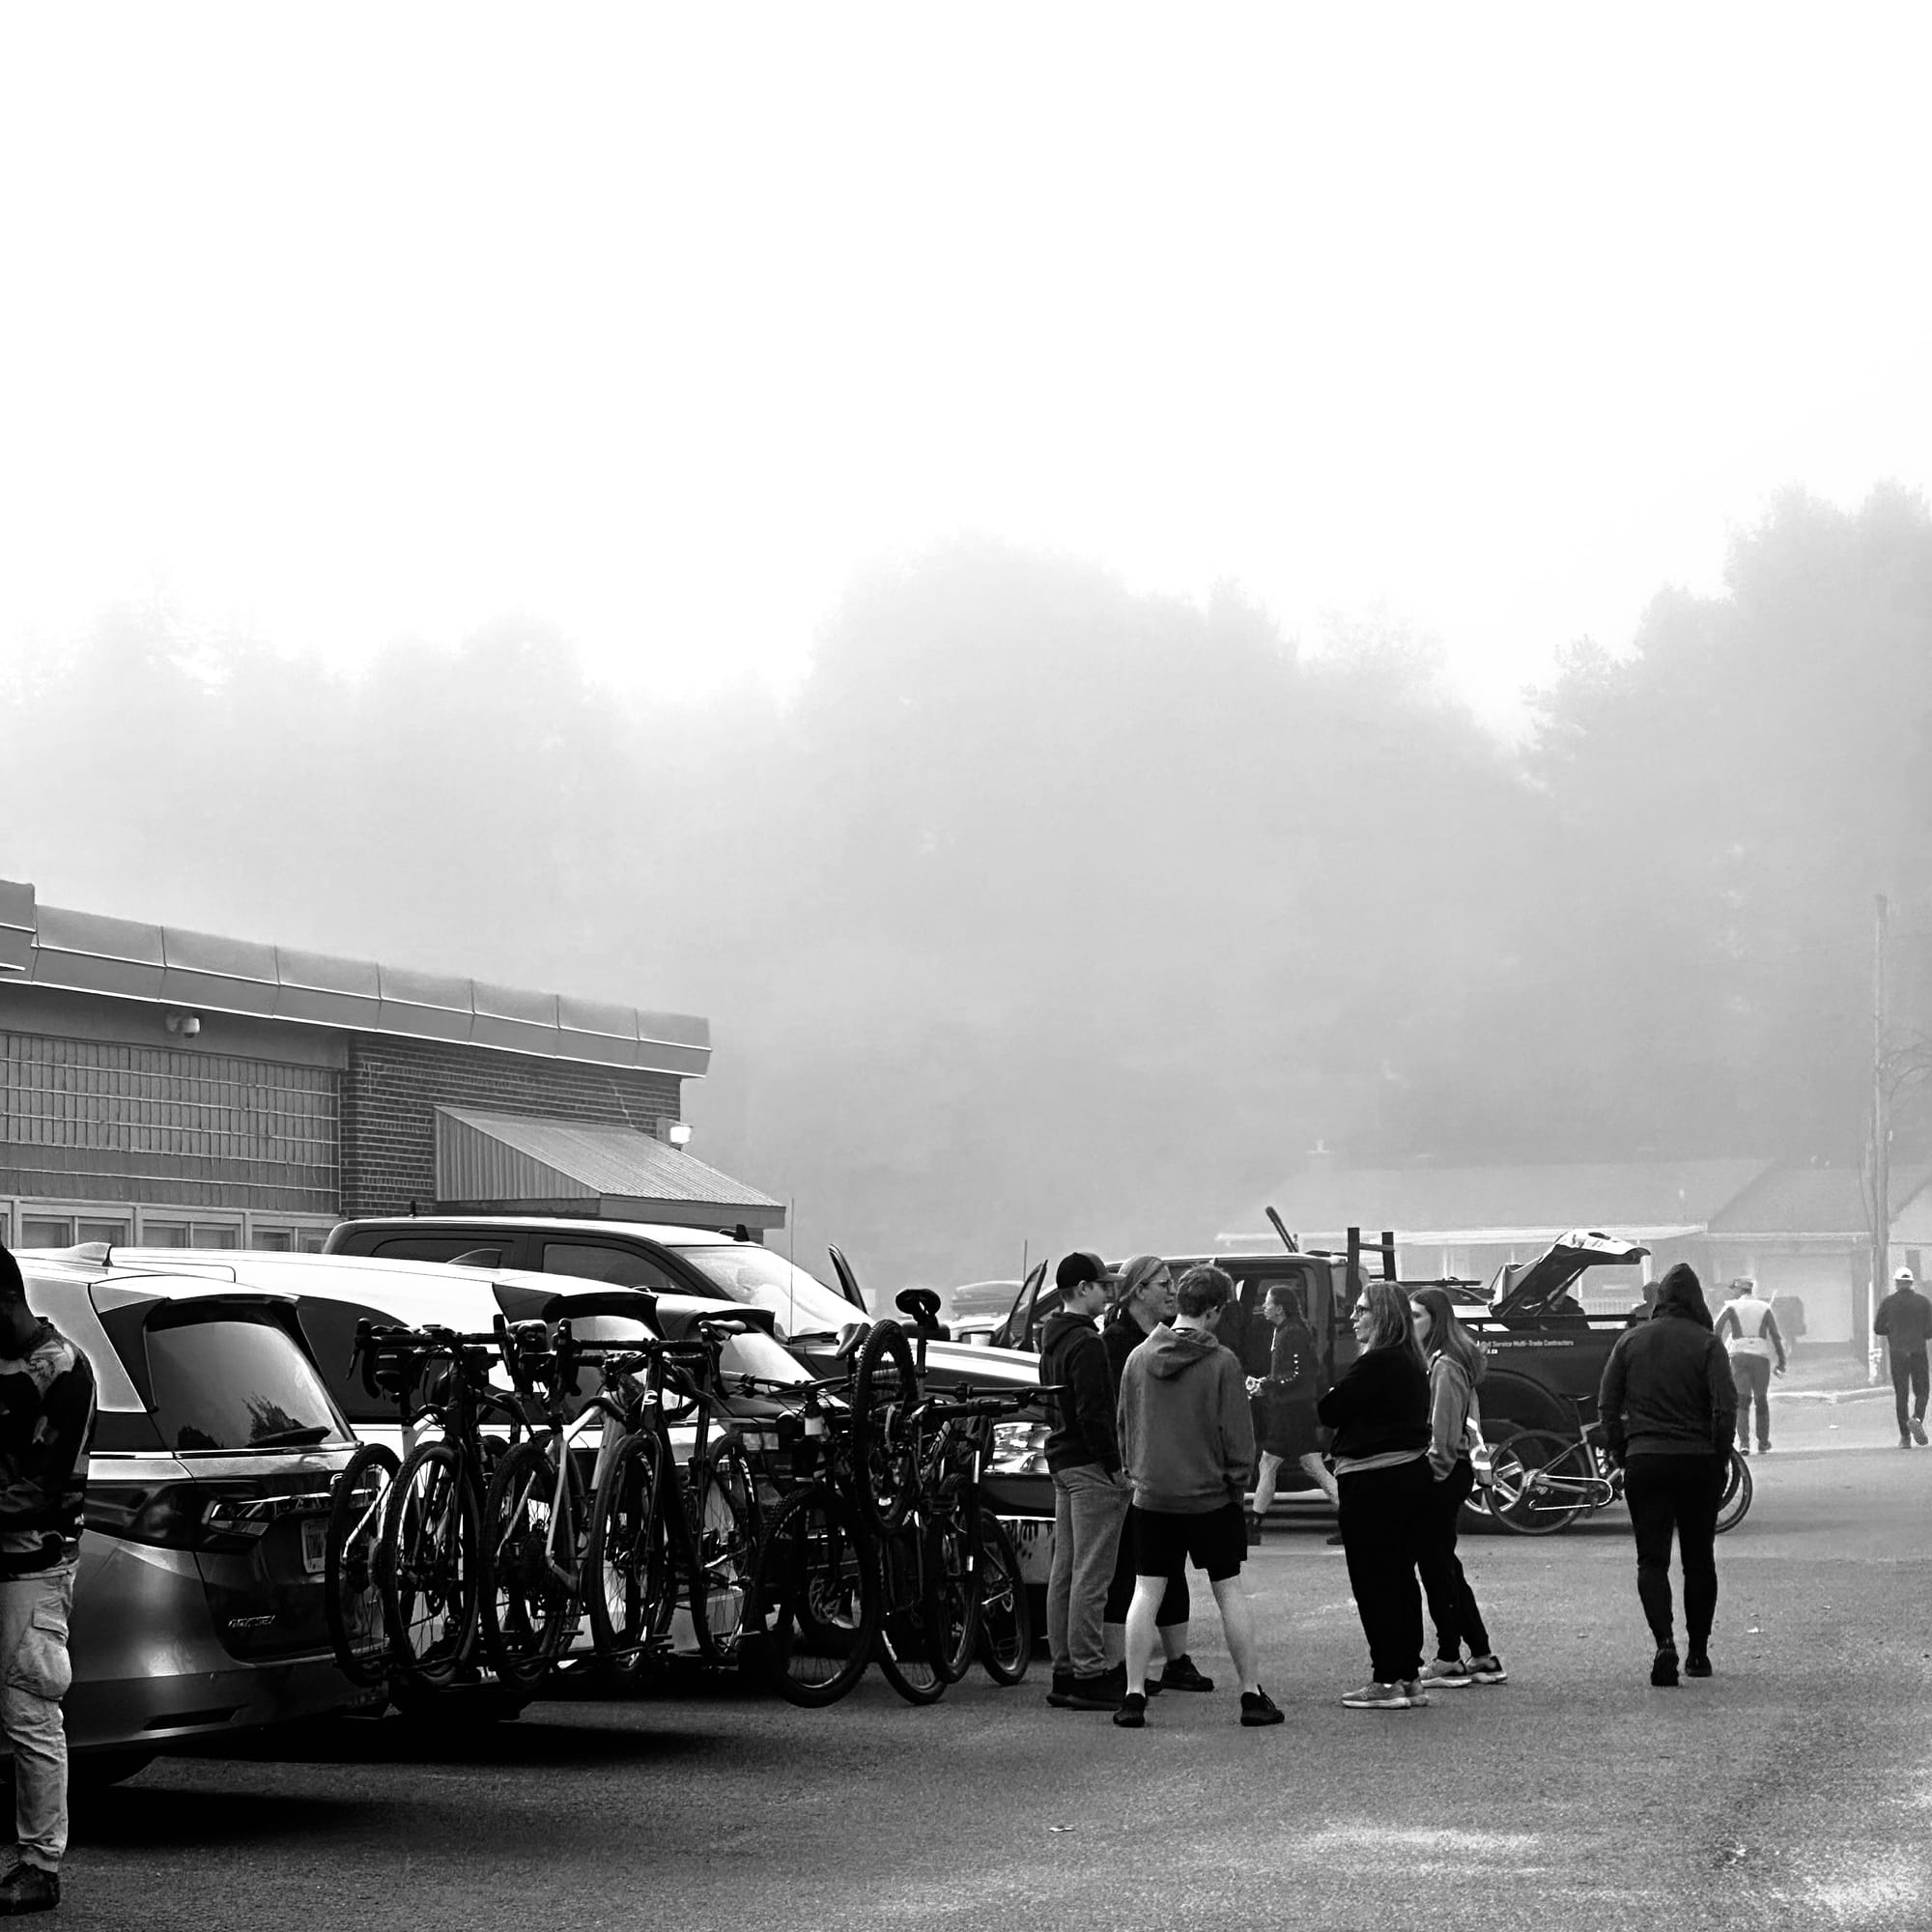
1089	1491
1379	1413
1904	1319
1668	1407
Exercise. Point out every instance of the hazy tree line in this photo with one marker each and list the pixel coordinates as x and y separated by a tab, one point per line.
1044	910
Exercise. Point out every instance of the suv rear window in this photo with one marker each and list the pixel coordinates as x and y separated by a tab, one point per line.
476	1249
231	1384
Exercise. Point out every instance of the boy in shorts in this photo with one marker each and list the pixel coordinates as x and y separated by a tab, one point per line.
1187	1442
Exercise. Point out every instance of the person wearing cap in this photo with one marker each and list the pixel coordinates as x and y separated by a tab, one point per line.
1904	1319
1748	1331
1143	1302
1668	1407
1089	1491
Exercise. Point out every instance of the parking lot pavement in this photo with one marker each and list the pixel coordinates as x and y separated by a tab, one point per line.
1790	1790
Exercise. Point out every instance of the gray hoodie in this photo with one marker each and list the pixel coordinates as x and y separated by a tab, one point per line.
1188	1438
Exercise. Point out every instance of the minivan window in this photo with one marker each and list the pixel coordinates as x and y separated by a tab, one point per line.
437	1248
591	1262
228	1383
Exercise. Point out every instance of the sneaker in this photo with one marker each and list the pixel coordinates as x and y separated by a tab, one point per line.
1451	1673
1063	1688
1096	1694
1664	1666
1132	1713
1764	1448
1905	1442
1335	1541
1418	1697
1744	1448
1488	1669
1253	1525
1697	1664
1374	1696
28	1889
1183	1675
1258	1708
1919	1430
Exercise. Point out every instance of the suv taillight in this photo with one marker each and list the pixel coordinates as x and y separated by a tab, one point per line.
226	1516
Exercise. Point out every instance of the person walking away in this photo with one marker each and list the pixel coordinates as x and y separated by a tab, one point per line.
1188	1443
1143	1300
1455	1425
1285	1396
1748	1331
1379	1413
1667	1407
1090	1493
47	1424
1904	1319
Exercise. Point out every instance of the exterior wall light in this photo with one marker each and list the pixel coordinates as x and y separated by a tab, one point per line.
187	1024
675	1132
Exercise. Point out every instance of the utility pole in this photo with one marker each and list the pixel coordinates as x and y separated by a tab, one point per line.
1881	1188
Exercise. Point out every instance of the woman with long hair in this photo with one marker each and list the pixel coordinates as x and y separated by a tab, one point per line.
1455	1425
1285	1426
1379	1413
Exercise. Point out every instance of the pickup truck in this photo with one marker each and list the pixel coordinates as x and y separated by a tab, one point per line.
1545	1354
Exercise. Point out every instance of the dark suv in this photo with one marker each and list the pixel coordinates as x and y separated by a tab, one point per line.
198	1603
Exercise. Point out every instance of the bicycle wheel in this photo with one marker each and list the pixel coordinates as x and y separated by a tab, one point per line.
629	1578
1736	1501
1005	1614
885	1455
426	1567
953	1559
1542	1481
726	1536
906	1639
529	1611
815	1605
352	1601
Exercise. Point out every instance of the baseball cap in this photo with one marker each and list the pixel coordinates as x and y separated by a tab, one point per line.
1904	1274
1081	1266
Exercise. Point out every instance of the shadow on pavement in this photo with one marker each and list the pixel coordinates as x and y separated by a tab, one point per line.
134	1817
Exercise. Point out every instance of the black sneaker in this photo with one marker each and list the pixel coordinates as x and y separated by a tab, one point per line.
1096	1694
1183	1675
28	1889
1063	1688
1258	1708
1697	1664
1132	1713
1664	1666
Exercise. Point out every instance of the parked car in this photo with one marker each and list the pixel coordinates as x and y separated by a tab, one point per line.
198	1598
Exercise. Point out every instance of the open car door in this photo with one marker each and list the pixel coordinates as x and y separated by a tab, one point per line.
1525	1289
848	1282
1017	1329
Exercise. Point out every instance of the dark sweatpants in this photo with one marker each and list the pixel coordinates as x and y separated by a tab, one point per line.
1383	1513
1908	1372
1679	1494
1452	1603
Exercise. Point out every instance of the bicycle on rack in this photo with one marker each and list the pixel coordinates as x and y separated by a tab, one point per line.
1544	1481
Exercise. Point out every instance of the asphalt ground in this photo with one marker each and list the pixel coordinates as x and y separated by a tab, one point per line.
1792	1789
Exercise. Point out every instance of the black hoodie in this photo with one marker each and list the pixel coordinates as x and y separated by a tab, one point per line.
1667	1387
1074	1357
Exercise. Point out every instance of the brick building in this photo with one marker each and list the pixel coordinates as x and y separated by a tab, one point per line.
175	1089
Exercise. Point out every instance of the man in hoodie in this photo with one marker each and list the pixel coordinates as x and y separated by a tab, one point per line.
1668	1407
1188	1442
1904	1319
1090	1493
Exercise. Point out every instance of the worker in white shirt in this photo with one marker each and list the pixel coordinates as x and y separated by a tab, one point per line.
1748	1330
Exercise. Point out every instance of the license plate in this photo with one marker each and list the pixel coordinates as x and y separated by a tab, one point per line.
315	1544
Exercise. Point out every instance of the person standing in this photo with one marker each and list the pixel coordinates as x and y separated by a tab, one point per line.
1748	1331
1904	1319
1455	1423
1668	1406
47	1424
1090	1493
1285	1396
1188	1443
1143	1301
1379	1413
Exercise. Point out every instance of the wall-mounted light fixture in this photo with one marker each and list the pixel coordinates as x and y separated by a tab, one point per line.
187	1024
676	1132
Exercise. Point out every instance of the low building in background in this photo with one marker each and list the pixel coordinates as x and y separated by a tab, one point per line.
180	1089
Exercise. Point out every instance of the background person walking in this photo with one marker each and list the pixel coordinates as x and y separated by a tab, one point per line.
1090	1493
1904	1319
1668	1407
1748	1331
1379	1413
1285	1400
1455	1423
1144	1300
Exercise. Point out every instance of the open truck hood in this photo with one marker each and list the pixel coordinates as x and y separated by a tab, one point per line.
1529	1288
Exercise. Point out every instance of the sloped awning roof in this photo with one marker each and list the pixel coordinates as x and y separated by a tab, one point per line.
515	1160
